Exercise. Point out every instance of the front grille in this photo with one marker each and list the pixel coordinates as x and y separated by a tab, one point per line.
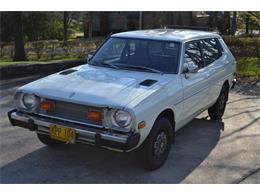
72	111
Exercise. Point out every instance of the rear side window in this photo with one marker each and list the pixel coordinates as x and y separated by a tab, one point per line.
211	50
193	54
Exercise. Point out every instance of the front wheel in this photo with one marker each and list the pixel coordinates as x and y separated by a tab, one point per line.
217	110
155	150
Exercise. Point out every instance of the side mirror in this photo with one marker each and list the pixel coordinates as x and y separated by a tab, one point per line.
191	68
90	55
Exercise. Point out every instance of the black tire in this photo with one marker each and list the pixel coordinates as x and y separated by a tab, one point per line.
217	110
151	155
45	139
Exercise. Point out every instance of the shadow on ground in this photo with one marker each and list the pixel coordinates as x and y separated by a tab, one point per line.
84	164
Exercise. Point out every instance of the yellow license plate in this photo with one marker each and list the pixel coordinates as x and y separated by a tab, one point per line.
61	133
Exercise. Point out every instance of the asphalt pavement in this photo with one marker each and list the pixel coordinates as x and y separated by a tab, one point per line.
205	151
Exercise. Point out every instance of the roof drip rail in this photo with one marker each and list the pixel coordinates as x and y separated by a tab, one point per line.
191	28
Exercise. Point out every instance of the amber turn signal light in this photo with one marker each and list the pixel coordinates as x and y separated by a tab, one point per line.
94	115
141	125
48	106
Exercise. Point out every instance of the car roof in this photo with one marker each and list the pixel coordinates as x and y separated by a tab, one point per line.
180	35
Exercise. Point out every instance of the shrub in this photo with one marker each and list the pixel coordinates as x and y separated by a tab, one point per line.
38	47
243	46
53	48
68	49
248	66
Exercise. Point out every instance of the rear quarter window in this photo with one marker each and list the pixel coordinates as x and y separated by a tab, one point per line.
211	50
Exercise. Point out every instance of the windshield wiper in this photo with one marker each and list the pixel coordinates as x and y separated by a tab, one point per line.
103	63
142	68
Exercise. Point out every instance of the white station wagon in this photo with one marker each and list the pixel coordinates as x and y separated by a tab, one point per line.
135	92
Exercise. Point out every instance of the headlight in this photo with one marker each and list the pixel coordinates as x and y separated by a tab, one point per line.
30	101
122	118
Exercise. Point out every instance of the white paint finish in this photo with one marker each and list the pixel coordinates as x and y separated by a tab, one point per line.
186	95
167	34
220	71
94	85
169	96
196	92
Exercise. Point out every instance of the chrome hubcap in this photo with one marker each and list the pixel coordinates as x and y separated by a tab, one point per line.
160	144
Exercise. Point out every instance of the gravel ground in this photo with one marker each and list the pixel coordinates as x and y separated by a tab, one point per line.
205	151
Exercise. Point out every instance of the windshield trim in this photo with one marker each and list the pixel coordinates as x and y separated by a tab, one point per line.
150	39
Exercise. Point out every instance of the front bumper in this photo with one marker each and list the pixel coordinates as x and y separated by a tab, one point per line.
84	134
234	83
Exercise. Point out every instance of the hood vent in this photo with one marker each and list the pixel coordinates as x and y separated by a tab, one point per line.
66	72
147	82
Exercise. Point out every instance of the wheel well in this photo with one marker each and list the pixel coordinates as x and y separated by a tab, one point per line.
226	83
168	114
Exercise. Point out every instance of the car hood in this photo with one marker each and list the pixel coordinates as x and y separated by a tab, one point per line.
98	86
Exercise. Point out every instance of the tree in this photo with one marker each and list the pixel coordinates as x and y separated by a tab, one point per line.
140	20
234	23
104	23
247	23
180	20
193	19
65	27
226	25
254	18
88	26
213	19
19	52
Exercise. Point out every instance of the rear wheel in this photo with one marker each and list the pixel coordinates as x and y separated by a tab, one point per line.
217	110
155	150
45	139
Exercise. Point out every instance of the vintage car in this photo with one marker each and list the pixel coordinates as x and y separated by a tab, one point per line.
135	92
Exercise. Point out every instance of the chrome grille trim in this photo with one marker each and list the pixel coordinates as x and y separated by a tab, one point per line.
69	120
72	112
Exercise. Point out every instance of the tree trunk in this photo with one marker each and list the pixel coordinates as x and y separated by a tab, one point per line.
180	20
19	52
234	23
85	25
247	24
213	20
65	28
193	19
104	23
226	29
90	26
140	20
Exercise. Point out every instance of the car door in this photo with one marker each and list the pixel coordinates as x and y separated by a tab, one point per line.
213	59
195	85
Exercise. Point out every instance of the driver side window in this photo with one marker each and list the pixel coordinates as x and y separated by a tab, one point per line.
193	54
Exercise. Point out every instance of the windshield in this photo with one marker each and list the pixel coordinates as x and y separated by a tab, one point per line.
138	54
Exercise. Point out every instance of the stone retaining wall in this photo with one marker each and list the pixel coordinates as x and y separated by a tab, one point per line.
21	70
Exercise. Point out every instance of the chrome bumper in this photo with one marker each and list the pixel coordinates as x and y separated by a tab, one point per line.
84	134
234	81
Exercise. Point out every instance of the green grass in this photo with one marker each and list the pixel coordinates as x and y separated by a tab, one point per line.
248	67
5	63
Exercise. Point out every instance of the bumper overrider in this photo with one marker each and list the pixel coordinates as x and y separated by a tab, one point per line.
85	134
